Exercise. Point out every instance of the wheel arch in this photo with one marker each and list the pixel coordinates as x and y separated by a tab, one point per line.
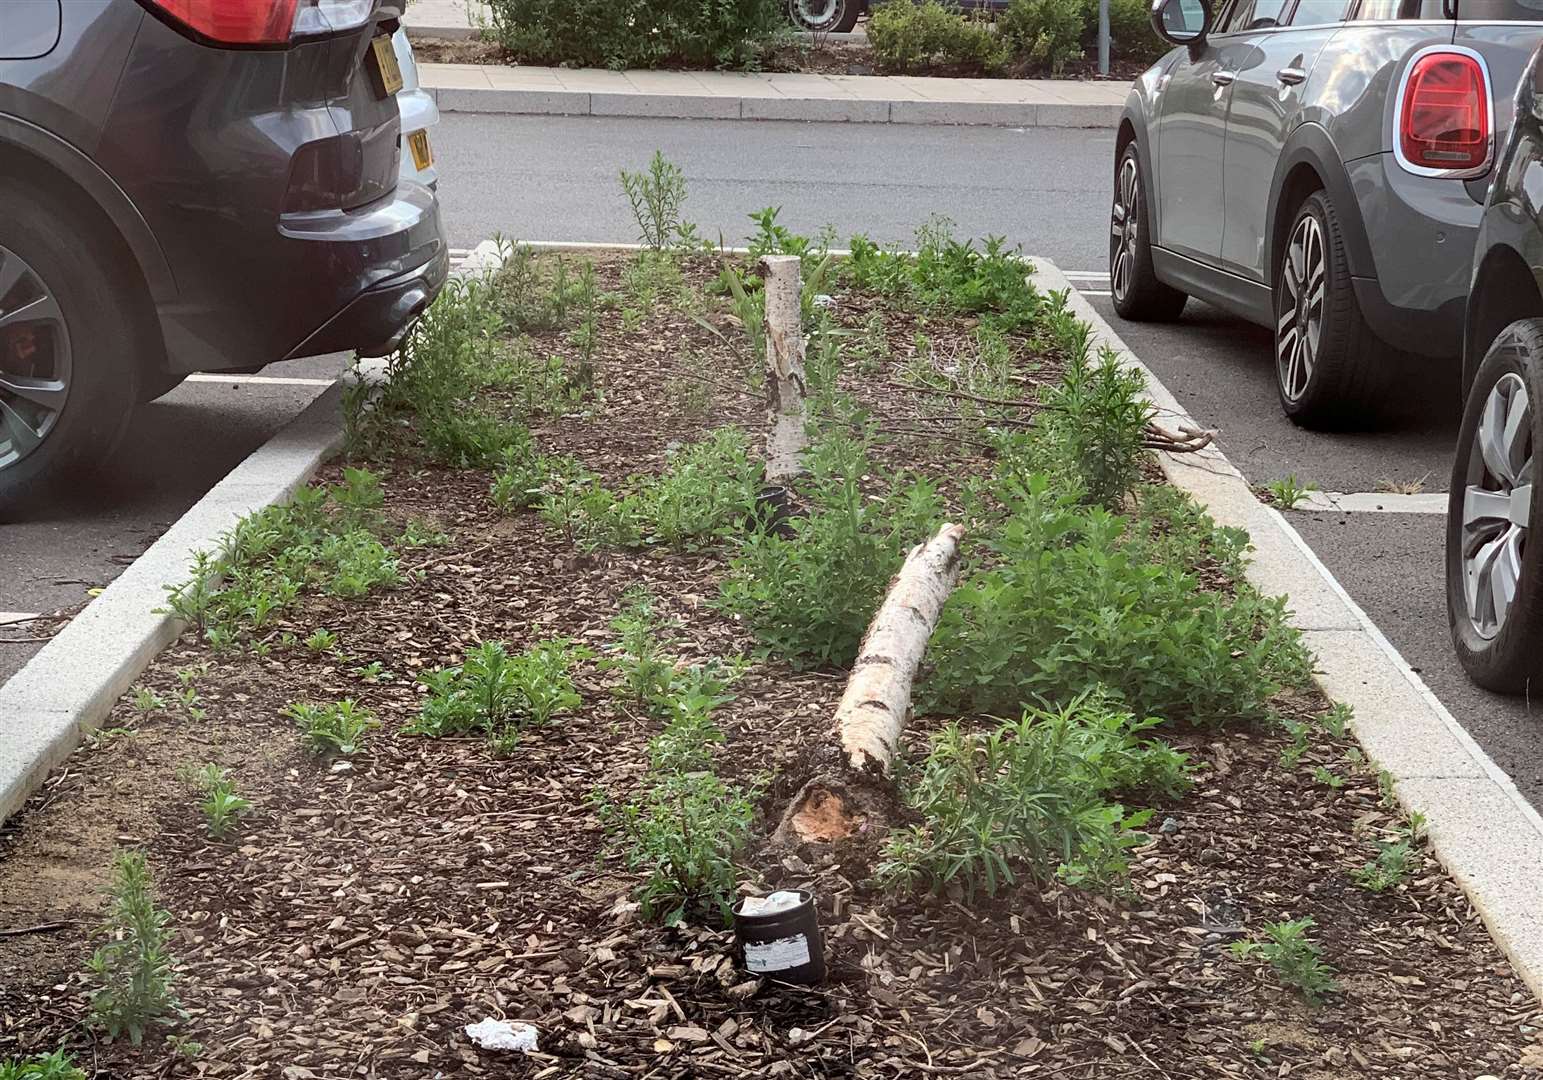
1310	162
1504	290
47	163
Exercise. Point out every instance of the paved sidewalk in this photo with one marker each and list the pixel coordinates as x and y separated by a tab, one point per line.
727	95
446	18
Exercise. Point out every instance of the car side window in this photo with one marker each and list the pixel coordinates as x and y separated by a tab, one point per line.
1249	15
1318	12
1390	10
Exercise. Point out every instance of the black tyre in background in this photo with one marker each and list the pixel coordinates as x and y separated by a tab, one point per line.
1136	292
1494	582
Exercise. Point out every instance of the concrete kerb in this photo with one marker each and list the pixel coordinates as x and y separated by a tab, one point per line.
67	689
534	101
1486	834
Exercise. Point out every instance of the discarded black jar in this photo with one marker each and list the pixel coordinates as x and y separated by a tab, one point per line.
783	943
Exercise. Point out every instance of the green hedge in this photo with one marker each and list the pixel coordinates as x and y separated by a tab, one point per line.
1041	35
637	33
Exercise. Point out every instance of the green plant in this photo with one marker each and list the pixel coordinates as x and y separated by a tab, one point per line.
1296	959
1337	719
1288	492
147	701
1328	778
1394	858
641	34
810	595
909	38
132	969
1291	756
647	672
321	640
705	488
493	689
1130	30
55	1066
222	807
1046	33
1071	595
685	832
656	197
337	727
1031	797
1094	422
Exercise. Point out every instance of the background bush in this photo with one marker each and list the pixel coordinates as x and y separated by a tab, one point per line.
1046	33
906	37
636	33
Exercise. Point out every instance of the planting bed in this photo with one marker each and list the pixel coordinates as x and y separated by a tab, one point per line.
368	907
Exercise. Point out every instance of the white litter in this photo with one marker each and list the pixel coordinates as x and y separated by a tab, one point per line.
824	300
774	904
493	1034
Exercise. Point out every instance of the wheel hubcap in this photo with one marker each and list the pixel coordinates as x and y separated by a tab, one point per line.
1497	504
1124	228
34	359
1299	325
815	12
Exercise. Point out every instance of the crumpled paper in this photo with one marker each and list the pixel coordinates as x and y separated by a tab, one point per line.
770	905
493	1034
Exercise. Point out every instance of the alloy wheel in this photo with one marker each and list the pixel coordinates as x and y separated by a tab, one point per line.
815	13
1497	503
1299	318
34	359
1124	228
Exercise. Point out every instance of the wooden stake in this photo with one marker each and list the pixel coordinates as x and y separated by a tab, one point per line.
786	389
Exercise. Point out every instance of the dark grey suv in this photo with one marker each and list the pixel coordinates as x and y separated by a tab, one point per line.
193	185
1318	167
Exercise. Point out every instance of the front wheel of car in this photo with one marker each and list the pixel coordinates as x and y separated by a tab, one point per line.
1133	284
1494	580
824	16
69	351
1330	369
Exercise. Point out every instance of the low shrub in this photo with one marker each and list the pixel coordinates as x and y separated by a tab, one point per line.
132	968
1131	36
1072	596
909	38
1093	424
1031	798
636	33
1297	960
337	727
493	690
1045	33
55	1066
810	595
705	488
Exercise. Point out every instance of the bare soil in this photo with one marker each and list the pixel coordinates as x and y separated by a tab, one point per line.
367	911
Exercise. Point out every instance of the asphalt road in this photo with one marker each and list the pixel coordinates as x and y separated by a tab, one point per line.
547	178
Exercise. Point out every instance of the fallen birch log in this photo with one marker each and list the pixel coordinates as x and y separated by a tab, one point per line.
786	389
873	709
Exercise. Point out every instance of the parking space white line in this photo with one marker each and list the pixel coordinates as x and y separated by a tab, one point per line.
1374	502
10	618
262	380
1095	292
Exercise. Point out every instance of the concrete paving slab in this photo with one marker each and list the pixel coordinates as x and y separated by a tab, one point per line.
540	102
677	106
992	113
824	110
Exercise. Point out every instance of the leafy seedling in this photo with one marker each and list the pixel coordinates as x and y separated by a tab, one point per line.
336	728
132	968
1288	492
1296	959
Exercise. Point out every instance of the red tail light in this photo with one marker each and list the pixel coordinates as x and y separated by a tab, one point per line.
234	22
1444	114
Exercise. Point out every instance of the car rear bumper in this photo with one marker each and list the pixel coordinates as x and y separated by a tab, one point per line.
1422	233
331	281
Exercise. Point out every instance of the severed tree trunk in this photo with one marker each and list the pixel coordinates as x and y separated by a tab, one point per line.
874	707
785	386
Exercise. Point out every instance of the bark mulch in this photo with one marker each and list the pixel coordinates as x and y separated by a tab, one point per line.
368	910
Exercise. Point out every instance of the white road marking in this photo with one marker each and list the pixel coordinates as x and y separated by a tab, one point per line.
10	618
1095	292
1374	502
262	380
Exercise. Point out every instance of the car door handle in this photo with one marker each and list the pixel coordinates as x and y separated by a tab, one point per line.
1223	78
1291	76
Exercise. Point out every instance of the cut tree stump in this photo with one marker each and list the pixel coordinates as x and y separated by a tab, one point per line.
873	709
786	389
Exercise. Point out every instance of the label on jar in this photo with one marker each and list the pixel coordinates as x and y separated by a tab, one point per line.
778	954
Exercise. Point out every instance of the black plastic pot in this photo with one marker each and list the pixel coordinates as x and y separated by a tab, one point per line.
785	946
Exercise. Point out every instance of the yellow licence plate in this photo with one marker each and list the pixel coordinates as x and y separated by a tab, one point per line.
423	154
385	63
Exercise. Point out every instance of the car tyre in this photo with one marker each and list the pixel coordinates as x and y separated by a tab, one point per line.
1133	284
70	351
1494	576
1331	370
825	16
